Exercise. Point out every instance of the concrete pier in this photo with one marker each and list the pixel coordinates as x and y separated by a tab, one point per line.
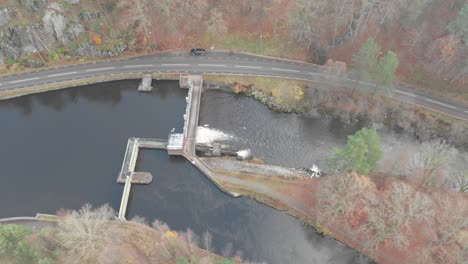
131	156
183	81
125	196
190	130
127	173
145	85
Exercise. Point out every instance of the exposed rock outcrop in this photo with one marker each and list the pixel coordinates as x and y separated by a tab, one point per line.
4	16
10	44
88	50
33	5
56	26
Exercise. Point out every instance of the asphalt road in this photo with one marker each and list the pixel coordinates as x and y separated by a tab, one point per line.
219	62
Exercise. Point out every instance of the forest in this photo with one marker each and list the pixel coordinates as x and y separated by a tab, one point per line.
429	37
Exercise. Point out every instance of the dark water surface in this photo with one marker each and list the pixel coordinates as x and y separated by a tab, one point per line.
292	140
64	148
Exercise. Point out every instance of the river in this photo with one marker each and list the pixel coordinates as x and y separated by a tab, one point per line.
64	148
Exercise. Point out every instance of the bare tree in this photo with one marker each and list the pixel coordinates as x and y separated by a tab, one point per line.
110	255
390	219
305	20
426	164
216	23
180	14
462	181
84	233
228	250
450	242
337	196
138	10
191	242
140	220
207	241
160	226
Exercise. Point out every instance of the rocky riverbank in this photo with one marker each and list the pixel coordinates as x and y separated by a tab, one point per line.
286	96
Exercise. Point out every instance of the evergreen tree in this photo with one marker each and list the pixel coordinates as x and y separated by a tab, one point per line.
365	62
460	25
360	154
387	68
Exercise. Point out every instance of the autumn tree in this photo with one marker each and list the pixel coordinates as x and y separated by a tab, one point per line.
216	23
139	13
304	21
178	15
414	10
339	195
391	218
84	233
380	12
360	154
450	243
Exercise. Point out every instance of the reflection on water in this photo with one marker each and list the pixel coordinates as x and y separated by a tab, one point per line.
64	148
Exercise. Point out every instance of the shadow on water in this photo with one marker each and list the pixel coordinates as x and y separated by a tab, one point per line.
64	148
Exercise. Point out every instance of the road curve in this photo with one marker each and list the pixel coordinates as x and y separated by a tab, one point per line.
222	63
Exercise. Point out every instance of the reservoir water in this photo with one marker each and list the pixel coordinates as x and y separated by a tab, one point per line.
62	149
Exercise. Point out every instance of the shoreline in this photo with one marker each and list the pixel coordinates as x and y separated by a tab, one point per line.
224	185
4	95
278	201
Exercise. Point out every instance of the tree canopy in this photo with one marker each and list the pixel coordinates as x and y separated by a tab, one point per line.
459	26
387	68
365	61
368	67
360	154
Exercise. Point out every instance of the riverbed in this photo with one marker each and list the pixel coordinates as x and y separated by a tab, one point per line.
64	148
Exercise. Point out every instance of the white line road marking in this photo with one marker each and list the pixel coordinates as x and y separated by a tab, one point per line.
247	67
466	111
175	65
138	66
286	70
410	94
446	105
373	84
25	80
212	65
320	74
101	69
61	74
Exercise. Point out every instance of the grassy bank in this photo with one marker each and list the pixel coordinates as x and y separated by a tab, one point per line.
279	94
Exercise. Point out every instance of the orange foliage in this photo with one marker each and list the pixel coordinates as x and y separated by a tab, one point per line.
171	234
358	217
97	39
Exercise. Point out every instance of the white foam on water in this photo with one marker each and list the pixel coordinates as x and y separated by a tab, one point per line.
206	135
